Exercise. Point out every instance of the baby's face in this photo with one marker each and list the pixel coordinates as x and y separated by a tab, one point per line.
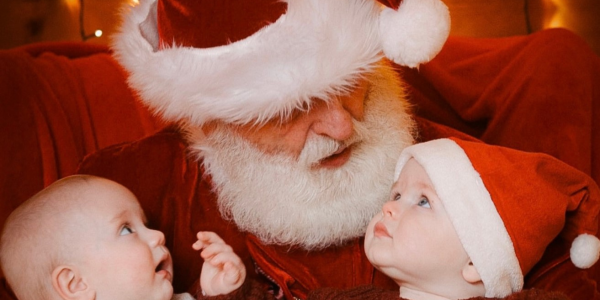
413	240
123	259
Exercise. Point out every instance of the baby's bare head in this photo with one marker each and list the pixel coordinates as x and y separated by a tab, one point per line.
44	232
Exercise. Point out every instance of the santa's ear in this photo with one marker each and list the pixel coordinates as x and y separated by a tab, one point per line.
70	285
470	274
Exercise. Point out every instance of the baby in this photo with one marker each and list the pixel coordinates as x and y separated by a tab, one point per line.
85	237
464	220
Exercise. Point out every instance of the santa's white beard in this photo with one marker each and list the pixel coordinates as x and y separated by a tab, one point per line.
282	200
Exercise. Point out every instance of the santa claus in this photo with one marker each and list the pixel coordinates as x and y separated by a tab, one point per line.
289	117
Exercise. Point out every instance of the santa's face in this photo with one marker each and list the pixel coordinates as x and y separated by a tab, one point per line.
317	178
331	120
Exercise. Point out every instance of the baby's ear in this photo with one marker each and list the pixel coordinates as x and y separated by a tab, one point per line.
470	274
70	285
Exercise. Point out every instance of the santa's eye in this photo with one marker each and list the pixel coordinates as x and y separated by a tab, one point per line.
424	202
397	197
125	230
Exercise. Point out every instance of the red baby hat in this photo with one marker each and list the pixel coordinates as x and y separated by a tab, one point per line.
508	205
247	61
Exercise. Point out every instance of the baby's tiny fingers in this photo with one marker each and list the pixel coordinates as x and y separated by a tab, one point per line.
198	245
232	274
209	237
205	239
214	249
222	258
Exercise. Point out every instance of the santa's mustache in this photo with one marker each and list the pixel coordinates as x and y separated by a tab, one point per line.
318	147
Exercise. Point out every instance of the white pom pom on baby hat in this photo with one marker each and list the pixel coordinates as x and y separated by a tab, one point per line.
585	251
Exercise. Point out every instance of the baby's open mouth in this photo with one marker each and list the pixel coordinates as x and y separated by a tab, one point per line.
161	266
164	267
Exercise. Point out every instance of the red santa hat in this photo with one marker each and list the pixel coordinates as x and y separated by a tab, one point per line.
247	61
508	205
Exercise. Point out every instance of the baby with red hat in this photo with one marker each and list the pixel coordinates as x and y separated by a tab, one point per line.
464	220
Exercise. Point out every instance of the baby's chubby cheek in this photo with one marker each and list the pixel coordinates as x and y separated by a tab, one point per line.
369	240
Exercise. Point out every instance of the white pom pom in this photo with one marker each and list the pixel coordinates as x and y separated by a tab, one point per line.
585	251
416	32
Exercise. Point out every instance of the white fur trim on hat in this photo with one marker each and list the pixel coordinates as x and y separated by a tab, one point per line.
585	251
416	32
472	212
266	75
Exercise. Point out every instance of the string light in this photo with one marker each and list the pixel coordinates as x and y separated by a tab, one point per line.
84	36
558	17
552	14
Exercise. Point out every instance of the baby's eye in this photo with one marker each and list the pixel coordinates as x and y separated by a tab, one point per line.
397	197
424	202
126	230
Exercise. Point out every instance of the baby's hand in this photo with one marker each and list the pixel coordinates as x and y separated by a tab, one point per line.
223	271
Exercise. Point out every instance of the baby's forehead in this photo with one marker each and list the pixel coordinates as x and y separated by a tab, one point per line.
72	189
412	171
67	211
92	196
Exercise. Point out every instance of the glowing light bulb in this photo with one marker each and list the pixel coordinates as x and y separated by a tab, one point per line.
98	33
557	14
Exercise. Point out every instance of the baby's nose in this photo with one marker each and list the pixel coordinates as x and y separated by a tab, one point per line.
390	209
157	238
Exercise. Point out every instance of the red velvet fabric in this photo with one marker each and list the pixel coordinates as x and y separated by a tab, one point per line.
537	93
254	291
63	101
216	23
391	3
60	102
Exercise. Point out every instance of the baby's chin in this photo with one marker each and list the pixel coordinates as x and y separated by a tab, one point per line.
166	276
168	295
